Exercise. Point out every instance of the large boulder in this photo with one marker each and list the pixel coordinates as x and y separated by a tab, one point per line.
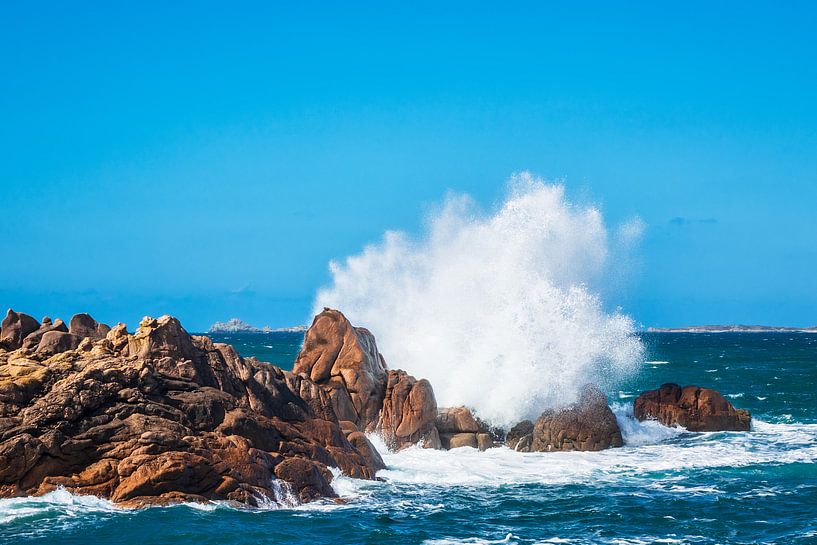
344	361
159	417
15	327
588	424
56	341
32	340
457	427
83	325
691	407
409	411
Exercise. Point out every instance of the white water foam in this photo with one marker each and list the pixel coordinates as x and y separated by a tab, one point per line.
59	501
649	448
500	311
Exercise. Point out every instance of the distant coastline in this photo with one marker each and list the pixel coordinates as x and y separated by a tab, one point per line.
236	325
732	328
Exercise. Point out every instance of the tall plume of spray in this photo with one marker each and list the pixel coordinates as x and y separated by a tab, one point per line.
497	309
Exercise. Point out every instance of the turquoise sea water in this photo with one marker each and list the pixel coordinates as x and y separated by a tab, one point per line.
664	486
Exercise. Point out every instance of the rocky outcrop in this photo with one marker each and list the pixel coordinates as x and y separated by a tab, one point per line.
588	424
409	412
83	325
15	327
520	437
344	361
457	427
691	407
32	340
160	416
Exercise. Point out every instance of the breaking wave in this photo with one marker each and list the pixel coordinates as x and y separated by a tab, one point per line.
500	311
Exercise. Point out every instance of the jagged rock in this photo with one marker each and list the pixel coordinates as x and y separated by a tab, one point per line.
409	410
159	417
588	424
54	342
692	407
32	340
82	325
344	361
520	437
15	327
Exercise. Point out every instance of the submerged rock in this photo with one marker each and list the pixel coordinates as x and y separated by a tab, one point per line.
588	424
692	407
160	416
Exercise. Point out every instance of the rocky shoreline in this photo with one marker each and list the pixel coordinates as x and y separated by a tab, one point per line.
161	416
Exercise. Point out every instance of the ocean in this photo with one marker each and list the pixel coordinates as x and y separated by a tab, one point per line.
664	486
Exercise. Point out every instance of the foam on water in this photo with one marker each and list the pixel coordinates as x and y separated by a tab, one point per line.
507	300
59	501
649	448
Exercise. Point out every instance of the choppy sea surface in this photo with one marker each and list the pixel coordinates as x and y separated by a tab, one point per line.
665	486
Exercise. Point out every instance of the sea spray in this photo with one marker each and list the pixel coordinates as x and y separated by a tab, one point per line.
500	311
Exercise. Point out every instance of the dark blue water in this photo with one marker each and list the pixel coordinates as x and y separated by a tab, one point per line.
664	486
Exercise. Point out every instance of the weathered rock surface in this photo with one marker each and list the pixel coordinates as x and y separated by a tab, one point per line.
409	411
160	416
520	437
692	407
588	424
15	327
32	340
344	361
457	427
82	325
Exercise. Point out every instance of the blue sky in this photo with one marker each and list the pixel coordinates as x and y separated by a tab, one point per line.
208	161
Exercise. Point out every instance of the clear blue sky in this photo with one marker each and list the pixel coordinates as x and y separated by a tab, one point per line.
208	161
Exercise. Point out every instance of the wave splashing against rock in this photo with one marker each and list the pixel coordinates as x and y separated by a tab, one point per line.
498	310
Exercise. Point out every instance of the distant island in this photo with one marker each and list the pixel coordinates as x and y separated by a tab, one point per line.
732	328
235	325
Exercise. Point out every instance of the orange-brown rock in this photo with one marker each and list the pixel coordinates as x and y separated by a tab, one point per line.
344	360
160	416
457	427
83	325
520	437
15	327
588	424
32	340
692	407
409	411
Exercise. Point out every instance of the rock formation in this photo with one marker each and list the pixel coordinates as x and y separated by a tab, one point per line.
160	416
588	424
692	407
344	360
15	328
458	427
409	412
82	325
